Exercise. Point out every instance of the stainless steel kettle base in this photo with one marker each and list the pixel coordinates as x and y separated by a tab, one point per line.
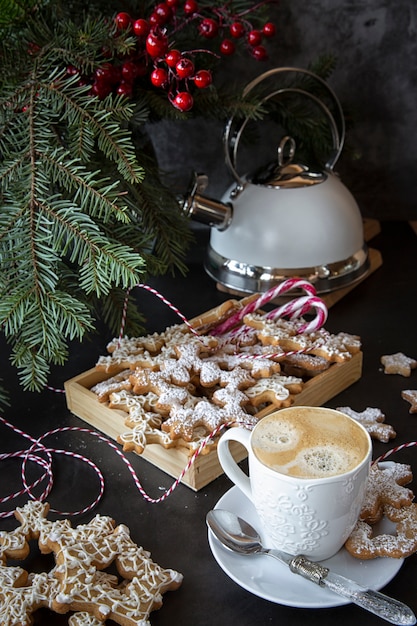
245	278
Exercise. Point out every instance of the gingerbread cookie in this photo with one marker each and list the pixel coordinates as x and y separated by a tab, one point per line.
115	383
410	395
398	363
304	365
284	334
373	420
79	581
386	497
226	407
363	543
210	319
386	486
276	391
132	352
176	387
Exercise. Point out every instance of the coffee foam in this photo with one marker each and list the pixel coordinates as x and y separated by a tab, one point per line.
309	443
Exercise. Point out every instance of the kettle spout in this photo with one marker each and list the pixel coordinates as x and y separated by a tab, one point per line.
206	210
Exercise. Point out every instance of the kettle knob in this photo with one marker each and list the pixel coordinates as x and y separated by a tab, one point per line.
233	130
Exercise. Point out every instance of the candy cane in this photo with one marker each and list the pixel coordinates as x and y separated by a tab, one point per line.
299	307
287	285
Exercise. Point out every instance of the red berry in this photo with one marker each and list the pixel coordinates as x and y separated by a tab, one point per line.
125	89
129	71
101	89
183	101
163	13
154	20
254	37
190	7
123	21
237	30
208	28
140	28
203	79
156	45
269	29
184	68
227	47
159	77
172	57
260	53
106	73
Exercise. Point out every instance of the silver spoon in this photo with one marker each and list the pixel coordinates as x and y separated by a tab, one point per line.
240	537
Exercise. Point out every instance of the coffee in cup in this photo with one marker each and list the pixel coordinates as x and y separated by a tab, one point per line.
308	468
307	443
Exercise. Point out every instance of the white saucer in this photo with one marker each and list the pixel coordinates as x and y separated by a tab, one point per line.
269	579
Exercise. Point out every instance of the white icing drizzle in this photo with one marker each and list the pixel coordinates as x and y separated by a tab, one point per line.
78	581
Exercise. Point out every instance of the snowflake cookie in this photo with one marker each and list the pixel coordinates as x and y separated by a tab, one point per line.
79	582
410	395
398	363
372	420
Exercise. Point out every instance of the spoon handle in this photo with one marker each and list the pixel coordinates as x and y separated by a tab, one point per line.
375	602
378	603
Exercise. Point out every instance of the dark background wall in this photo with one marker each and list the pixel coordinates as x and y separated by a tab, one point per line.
375	46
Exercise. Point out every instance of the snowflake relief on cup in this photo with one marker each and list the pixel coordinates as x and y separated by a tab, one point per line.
349	485
280	527
303	492
301	521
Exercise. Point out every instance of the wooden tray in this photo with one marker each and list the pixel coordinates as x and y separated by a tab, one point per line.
83	403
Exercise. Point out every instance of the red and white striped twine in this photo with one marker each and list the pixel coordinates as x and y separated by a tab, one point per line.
387	454
32	454
162	298
293	309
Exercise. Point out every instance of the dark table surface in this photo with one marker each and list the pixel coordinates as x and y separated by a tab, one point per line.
382	310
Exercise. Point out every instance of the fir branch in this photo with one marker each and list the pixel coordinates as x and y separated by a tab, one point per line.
83	213
4	397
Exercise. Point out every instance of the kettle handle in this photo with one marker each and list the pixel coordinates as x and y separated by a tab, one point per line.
231	137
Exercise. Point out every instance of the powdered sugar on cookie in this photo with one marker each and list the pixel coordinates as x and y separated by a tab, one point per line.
372	419
398	363
199	382
410	395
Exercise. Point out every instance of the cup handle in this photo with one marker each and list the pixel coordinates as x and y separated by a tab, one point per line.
229	465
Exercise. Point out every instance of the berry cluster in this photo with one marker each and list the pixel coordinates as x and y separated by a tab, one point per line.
157	58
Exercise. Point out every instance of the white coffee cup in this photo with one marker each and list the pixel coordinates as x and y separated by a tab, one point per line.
308	469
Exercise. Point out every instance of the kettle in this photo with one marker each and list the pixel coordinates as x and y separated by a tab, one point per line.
288	221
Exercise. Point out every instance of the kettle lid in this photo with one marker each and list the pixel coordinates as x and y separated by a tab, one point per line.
286	174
